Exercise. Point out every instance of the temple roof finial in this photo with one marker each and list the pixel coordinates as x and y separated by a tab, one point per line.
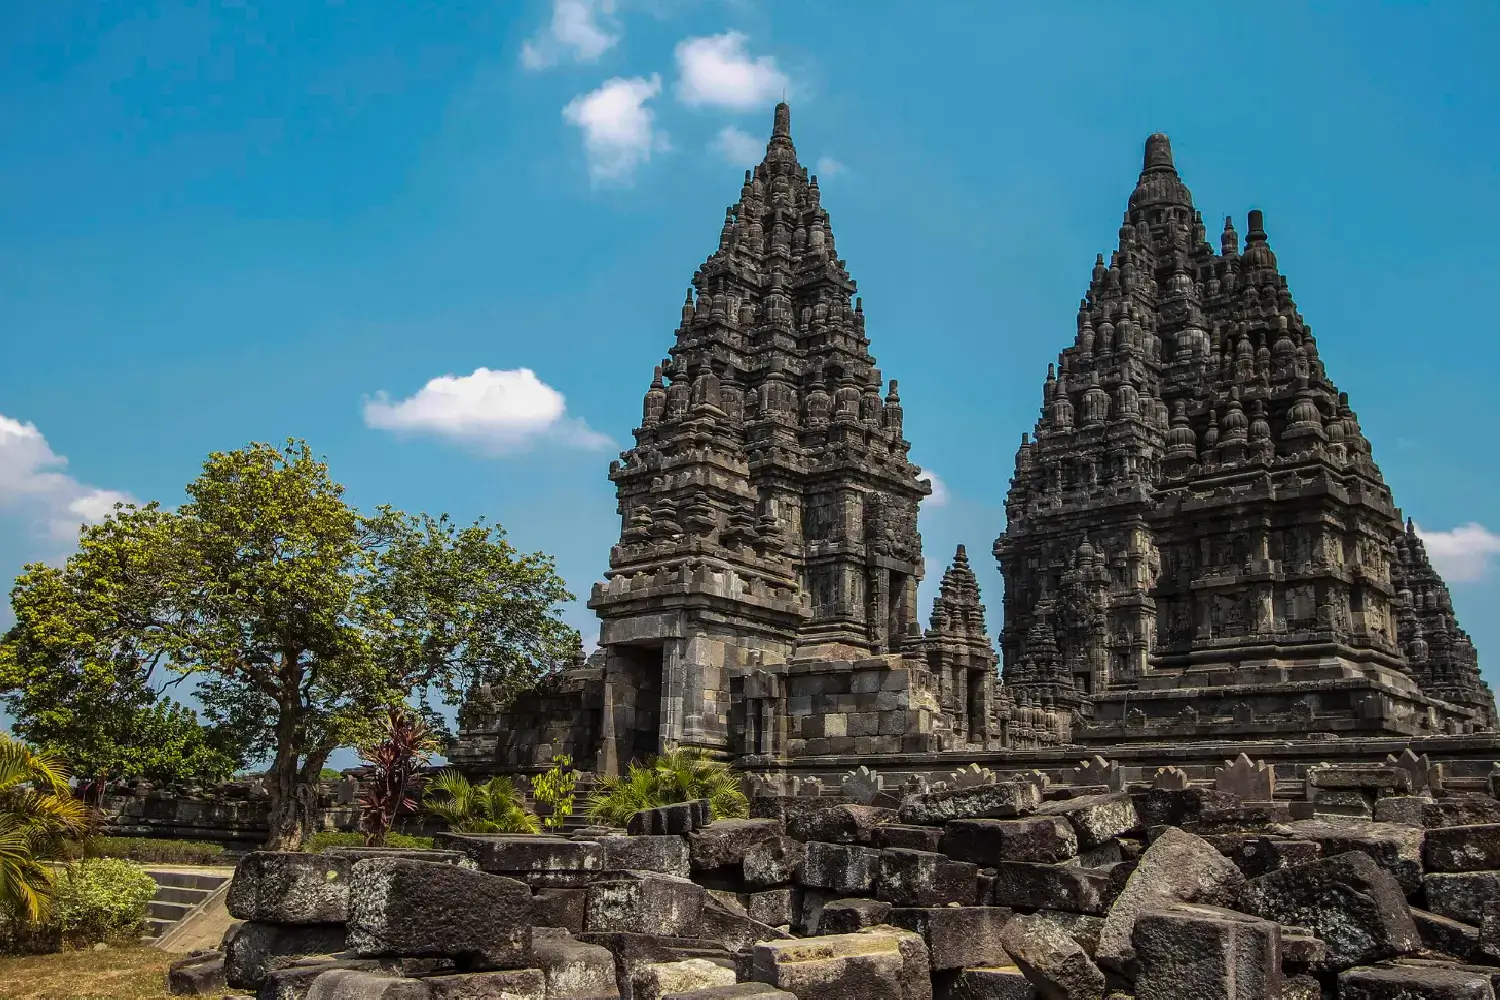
783	123
1158	152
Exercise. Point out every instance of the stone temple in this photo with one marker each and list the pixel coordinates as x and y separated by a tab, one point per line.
1199	546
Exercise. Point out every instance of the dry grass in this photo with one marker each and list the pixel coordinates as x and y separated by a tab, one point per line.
129	973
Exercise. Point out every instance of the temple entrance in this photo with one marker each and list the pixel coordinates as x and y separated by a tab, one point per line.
639	694
976	705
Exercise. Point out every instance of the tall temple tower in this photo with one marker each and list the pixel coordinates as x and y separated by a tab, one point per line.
768	508
1199	542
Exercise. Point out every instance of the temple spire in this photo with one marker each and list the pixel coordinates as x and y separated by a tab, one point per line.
782	125
1158	154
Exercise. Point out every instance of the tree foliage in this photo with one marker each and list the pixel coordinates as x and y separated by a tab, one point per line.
493	807
405	746
38	814
297	618
679	774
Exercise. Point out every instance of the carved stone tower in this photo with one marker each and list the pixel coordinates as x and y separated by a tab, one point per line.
768	508
1198	540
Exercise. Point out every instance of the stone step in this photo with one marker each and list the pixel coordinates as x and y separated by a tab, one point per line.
162	910
172	894
156	927
177	879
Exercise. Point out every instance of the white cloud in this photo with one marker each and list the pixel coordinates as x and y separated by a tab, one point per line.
1462	555
829	168
738	146
717	70
619	131
35	488
575	32
939	495
499	412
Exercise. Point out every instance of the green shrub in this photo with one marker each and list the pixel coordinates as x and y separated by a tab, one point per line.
100	899
678	774
324	840
152	851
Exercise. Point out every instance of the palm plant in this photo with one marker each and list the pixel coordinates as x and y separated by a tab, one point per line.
677	774
493	807
38	815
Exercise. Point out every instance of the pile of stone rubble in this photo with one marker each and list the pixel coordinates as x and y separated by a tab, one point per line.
991	890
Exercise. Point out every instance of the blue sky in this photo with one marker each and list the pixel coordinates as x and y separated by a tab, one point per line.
233	222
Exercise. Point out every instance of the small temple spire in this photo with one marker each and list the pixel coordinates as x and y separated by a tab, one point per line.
1158	153
782	126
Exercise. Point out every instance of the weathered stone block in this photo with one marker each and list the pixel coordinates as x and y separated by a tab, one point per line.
447	857
998	982
1206	953
648	905
1463	848
1022	885
921	878
1096	818
290	888
293	981
253	949
1446	936
732	927
648	853
1038	839
774	907
1177	807
632	951
1081	927
864	966
197	975
1461	895
680	818
1405	809
957	936
563	908
1051	960
509	984
349	984
1377	779
845	916
999	801
910	838
536	860
572	970
1460	810
1178	867
1255	855
1396	848
1407	983
739	991
774	861
842	868
839	823
656	980
723	844
423	908
1351	903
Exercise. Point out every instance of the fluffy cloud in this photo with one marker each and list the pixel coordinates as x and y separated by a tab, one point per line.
1464	554
717	70
939	495
35	489
575	32
738	146
619	131
498	412
829	168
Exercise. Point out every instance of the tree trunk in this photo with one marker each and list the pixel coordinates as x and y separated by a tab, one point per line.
294	791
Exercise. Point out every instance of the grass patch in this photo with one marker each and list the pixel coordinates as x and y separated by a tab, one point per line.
129	973
324	840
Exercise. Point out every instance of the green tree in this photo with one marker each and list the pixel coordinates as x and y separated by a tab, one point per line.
554	789
297	618
679	774
493	807
38	815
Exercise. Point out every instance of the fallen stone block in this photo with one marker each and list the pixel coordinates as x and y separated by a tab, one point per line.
911	838
631	951
1407	983
739	991
1463	848
735	930
508	984
723	844
869	965
294	980
537	861
651	904
1396	848
839	823
774	907
1205	953
1037	839
773	861
565	908
1178	807
1404	809
572	970
999	801
253	949
197	975
1377	779
1082	927
1021	885
1461	895
447	857
998	982
680	818
425	909
1300	987
1178	867
281	887
665	854
957	936
1489	931
920	878
1459	810
842	868
1351	803
1052	961
1446	936
845	916
350	984
1105	855
1301	950
1096	818
1351	903
656	980
1255	854
916	965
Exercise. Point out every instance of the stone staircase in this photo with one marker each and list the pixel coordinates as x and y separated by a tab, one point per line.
179	891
